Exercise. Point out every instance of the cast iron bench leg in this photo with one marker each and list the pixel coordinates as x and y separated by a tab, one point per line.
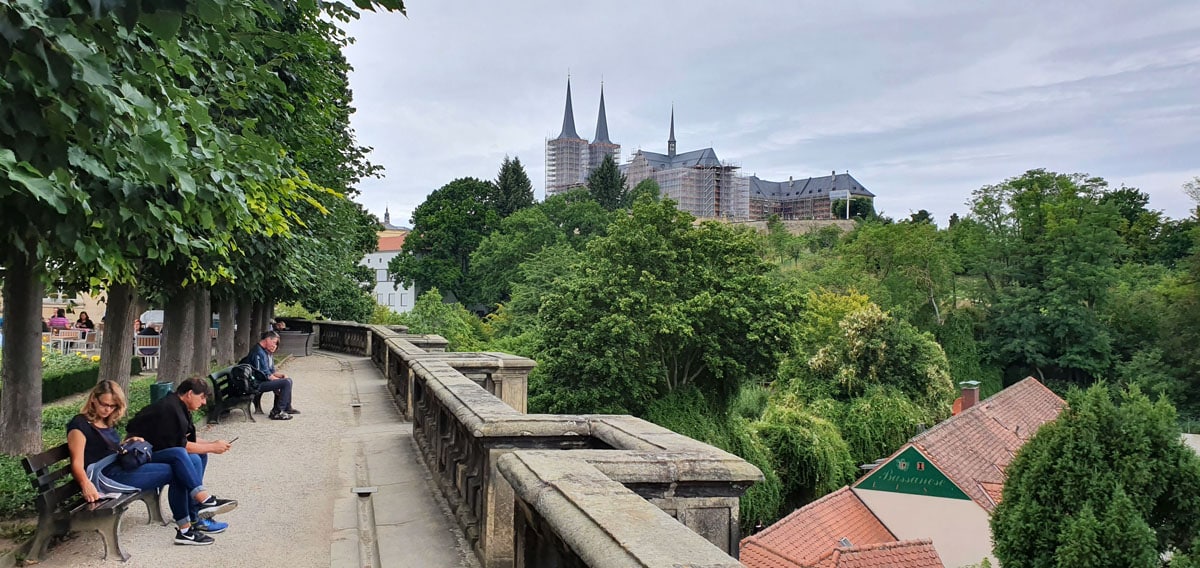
153	506
41	538
109	529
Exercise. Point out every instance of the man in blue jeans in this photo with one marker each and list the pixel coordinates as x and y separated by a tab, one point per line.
271	380
168	424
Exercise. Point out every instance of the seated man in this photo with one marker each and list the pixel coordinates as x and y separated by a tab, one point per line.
271	379
168	424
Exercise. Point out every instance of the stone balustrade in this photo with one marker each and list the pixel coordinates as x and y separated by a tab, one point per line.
554	490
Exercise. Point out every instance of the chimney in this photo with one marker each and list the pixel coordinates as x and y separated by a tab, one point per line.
970	394
790	182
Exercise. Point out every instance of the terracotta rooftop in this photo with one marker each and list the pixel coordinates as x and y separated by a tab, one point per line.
907	553
974	448
809	535
391	243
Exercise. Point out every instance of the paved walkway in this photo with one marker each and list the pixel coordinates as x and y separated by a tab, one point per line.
294	479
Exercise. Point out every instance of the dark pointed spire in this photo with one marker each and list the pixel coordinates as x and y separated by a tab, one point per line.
602	121
568	129
671	140
387	216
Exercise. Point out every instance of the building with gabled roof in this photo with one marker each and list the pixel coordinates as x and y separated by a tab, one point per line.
389	244
807	198
697	181
942	485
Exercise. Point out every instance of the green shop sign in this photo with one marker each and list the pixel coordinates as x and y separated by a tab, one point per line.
911	472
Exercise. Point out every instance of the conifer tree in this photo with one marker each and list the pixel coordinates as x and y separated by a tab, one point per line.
606	183
514	192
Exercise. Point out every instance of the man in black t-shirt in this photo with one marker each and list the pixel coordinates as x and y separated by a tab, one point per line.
168	424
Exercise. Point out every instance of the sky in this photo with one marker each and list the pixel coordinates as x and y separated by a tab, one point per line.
922	101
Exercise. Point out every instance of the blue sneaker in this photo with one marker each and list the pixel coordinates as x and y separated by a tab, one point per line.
211	526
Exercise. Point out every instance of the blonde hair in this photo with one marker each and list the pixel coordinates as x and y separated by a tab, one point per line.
91	407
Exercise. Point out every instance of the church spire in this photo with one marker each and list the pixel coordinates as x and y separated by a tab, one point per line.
671	140
387	216
602	121
568	129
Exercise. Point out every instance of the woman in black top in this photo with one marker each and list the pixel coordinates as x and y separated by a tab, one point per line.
84	323
92	440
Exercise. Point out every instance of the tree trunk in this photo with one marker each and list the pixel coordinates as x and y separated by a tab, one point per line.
202	324
21	375
259	323
175	355
117	347
245	327
226	307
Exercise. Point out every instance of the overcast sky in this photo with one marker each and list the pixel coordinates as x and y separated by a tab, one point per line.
923	101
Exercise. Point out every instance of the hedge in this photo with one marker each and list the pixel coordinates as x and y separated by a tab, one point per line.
75	381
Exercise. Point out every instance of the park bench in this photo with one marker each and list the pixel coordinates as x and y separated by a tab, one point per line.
61	508
223	400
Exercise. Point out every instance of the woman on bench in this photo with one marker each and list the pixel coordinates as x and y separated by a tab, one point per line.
93	442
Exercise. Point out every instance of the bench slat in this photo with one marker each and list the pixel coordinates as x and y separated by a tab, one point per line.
46	459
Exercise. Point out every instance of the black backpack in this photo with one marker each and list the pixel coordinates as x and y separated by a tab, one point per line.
242	380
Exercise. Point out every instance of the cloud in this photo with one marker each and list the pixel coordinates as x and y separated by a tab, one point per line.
922	101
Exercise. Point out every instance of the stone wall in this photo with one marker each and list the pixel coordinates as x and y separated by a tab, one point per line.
554	490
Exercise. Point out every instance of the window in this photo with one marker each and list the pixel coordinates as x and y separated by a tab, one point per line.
402	296
379	299
391	300
381	275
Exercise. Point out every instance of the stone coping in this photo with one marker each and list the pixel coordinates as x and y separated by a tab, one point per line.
648	452
602	522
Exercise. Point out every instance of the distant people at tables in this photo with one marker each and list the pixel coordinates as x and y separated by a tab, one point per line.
271	380
85	323
92	441
59	320
45	326
280	326
168	424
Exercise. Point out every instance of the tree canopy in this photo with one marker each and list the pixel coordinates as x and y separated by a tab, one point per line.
1109	483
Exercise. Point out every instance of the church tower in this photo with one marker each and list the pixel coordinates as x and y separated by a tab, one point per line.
601	146
671	140
566	155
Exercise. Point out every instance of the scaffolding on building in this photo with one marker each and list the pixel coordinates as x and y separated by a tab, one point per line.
566	164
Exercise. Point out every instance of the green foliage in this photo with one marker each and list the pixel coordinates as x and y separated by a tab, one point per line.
447	227
874	349
751	401
571	219
811	458
383	315
607	184
687	412
1124	461
514	191
431	314
647	187
1045	243
295	310
877	423
657	305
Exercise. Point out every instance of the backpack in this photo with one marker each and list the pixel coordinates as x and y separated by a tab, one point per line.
242	380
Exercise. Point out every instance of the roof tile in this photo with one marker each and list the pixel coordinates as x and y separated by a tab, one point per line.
809	534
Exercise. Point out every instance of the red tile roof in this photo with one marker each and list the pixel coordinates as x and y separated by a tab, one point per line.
391	243
907	553
810	533
974	448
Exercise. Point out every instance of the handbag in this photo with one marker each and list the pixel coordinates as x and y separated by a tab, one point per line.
134	454
131	454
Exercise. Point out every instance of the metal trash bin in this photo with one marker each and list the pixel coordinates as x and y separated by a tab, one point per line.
160	390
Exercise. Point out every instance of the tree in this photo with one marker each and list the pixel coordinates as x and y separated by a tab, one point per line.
1119	461
657	305
570	218
1045	245
607	184
447	227
647	187
514	192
